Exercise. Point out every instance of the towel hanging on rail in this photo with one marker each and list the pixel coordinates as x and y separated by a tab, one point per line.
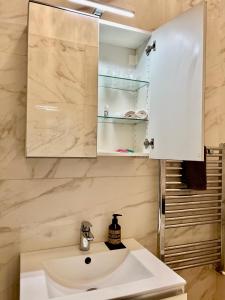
194	174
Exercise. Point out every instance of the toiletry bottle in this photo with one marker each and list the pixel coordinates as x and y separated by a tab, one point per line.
115	231
106	111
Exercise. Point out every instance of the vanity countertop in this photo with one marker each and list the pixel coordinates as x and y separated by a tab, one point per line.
32	270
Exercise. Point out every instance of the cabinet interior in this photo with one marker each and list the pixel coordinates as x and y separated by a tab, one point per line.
123	86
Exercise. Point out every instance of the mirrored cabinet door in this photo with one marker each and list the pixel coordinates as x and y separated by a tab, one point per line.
62	86
177	87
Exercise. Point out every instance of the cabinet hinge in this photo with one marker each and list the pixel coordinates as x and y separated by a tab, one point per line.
148	143
150	48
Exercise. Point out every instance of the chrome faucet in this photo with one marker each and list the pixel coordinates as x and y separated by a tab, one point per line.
85	236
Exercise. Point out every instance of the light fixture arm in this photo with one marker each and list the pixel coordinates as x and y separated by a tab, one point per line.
105	8
98	12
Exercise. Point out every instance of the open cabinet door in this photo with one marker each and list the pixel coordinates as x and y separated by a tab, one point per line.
177	87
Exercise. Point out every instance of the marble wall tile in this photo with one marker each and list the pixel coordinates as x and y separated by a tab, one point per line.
65	229
18	167
9	267
12	101
13	77
15	12
13	38
215	79
9	263
22	200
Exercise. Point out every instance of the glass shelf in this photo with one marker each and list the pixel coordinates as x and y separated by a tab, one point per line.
120	120
119	83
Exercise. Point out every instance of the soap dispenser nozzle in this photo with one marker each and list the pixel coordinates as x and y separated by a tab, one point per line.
115	219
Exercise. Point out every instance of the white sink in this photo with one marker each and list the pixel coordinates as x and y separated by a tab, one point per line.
99	274
72	275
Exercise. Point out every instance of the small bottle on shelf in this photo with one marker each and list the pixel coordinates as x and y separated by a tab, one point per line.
106	111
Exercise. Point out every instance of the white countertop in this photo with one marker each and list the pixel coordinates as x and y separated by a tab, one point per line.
33	287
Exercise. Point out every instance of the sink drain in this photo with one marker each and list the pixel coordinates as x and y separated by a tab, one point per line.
91	289
87	260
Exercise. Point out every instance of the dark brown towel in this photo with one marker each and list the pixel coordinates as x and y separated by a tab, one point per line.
194	174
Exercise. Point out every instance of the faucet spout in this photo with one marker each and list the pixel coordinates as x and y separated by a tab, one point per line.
86	236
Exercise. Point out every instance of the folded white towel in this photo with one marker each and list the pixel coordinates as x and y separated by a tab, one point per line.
129	114
141	114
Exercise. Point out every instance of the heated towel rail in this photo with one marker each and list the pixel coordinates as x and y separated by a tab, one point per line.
191	223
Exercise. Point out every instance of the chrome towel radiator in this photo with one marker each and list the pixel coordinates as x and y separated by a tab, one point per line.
191	223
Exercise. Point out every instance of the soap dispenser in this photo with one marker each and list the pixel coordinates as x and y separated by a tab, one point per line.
114	237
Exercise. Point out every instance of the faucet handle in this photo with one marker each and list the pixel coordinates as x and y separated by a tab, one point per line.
85	226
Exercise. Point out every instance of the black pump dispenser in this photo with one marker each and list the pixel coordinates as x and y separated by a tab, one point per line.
115	231
114	238
115	219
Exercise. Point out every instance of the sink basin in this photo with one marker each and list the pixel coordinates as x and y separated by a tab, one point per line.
73	275
68	274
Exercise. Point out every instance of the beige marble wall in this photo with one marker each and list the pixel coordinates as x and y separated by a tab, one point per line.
42	201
